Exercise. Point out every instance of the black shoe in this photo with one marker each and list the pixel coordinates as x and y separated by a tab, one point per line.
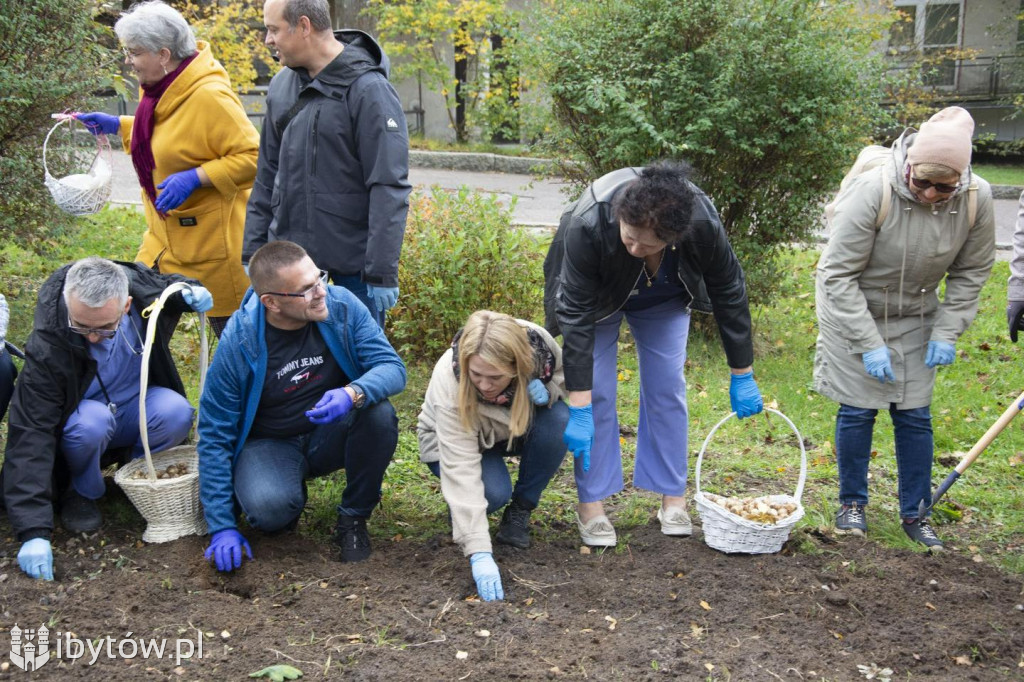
515	525
350	534
851	520
922	531
79	514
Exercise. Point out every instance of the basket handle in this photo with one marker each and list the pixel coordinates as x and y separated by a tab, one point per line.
147	351
102	144
799	439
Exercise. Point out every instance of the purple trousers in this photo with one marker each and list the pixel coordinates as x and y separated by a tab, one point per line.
661	446
93	428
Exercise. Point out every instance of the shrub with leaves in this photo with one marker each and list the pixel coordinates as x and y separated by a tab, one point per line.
234	29
51	60
461	253
768	100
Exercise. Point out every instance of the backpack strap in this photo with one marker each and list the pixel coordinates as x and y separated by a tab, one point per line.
972	203
883	210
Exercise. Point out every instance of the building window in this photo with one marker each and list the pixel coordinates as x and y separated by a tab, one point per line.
933	30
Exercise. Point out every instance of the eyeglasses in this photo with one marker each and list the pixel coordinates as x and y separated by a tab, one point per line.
940	187
102	333
308	293
132	54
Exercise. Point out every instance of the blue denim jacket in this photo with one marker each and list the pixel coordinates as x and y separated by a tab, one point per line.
235	382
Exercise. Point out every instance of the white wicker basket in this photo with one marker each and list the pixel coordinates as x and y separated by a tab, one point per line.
170	506
732	533
86	191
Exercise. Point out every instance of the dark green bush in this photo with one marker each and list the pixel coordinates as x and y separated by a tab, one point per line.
50	61
461	253
768	101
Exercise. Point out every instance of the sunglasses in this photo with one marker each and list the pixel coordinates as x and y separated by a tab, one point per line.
102	333
308	293
940	187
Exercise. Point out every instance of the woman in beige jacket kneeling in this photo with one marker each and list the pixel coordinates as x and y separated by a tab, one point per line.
496	393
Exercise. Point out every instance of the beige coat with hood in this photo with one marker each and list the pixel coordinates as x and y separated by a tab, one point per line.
880	286
443	438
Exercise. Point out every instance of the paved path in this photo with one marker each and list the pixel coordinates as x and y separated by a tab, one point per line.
539	201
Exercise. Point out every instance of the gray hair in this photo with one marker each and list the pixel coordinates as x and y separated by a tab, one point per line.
94	281
317	11
152	26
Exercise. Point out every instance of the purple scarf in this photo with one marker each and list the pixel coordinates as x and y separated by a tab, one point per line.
142	129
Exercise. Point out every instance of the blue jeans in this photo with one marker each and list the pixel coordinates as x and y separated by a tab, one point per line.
358	287
914	449
541	452
270	473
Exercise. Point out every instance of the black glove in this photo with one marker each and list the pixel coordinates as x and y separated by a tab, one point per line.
1014	313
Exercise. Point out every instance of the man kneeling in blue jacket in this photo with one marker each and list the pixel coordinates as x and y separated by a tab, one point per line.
298	388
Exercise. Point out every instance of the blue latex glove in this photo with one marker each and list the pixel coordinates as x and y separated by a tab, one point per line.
744	395
579	433
335	404
36	558
878	365
226	549
384	297
538	392
245	266
5	318
99	123
176	188
486	575
1014	318
940	353
198	298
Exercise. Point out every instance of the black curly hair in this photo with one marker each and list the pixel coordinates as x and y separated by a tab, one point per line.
661	199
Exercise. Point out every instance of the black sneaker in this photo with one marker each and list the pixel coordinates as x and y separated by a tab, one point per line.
79	514
922	532
350	534
515	525
851	520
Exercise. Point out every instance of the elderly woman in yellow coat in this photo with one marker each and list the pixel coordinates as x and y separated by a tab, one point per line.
194	150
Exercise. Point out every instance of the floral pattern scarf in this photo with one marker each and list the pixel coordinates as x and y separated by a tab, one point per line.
544	362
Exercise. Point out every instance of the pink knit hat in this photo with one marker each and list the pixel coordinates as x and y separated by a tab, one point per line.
945	138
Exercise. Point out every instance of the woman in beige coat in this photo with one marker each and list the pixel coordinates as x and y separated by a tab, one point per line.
497	392
882	329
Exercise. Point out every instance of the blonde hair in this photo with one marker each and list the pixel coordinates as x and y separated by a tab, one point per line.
498	340
934	171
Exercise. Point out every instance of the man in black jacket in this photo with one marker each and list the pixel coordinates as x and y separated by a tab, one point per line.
75	406
334	154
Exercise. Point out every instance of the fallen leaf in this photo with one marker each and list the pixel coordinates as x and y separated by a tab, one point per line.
278	673
1015	460
611	622
323	585
977	558
929	605
709	667
835	634
584	549
704	605
462	655
696	630
224	634
963	660
529	601
672	596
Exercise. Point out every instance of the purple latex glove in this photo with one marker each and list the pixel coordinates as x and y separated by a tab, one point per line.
335	404
177	187
99	123
226	549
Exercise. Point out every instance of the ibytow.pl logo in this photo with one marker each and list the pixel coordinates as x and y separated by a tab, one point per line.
31	648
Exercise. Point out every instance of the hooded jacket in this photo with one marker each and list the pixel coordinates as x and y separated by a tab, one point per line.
333	175
199	122
589	274
879	287
234	386
57	372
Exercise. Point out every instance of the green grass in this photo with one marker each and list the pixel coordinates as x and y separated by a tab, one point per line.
1000	174
755	456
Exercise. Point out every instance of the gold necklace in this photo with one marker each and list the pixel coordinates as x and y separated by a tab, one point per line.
650	279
